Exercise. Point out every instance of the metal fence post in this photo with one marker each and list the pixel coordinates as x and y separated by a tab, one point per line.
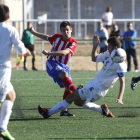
42	46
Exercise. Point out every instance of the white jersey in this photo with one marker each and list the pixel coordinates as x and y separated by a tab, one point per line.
8	37
108	16
108	75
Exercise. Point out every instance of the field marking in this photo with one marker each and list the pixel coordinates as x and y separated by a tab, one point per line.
47	79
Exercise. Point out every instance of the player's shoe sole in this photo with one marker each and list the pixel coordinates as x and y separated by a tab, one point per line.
133	83
106	111
66	113
6	135
43	112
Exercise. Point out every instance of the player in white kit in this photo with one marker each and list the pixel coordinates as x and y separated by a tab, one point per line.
8	37
98	87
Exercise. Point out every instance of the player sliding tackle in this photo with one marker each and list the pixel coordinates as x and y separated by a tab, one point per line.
97	87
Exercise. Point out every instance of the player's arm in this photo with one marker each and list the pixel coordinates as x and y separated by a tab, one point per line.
57	53
96	42
128	38
121	92
104	20
103	38
28	53
40	35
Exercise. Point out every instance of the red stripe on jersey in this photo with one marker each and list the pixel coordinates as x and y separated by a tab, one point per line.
63	47
56	40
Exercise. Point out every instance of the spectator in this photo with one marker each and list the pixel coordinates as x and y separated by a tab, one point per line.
107	19
130	46
117	32
103	35
28	40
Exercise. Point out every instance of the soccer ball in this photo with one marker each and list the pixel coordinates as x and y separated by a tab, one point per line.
118	55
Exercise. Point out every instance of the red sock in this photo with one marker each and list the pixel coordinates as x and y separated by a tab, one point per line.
66	93
68	83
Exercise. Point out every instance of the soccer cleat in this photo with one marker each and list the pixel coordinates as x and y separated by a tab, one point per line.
43	112
106	111
6	135
80	86
33	68
66	113
133	83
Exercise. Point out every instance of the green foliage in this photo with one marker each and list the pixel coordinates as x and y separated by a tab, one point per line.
37	88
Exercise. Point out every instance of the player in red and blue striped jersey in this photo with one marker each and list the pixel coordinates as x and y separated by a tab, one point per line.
63	48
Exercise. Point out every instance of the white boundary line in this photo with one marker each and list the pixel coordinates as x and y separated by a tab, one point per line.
47	79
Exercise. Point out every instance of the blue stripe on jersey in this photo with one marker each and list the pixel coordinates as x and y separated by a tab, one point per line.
121	74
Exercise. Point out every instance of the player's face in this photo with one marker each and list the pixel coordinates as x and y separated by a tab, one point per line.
130	26
66	32
30	25
110	48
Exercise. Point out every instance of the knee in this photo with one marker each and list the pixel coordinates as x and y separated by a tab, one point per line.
79	103
63	74
11	96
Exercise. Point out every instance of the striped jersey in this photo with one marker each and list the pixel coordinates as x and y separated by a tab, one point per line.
59	44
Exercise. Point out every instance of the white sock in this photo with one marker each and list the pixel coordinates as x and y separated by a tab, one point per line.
6	111
60	106
92	106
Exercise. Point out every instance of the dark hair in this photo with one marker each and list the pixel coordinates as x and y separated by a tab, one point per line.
28	23
64	24
4	12
114	41
129	23
108	9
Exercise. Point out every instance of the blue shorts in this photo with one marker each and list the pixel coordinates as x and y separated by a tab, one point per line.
54	68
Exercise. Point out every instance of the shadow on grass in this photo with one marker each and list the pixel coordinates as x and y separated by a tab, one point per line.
119	138
32	119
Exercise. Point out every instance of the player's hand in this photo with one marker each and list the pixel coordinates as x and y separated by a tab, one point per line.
45	52
96	40
28	53
119	102
31	29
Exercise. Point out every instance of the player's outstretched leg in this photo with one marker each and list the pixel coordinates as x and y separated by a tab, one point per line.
6	135
133	83
106	111
65	112
43	112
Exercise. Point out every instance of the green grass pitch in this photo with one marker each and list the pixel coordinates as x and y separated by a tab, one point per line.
37	88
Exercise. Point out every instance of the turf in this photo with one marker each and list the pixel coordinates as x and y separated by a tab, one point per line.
37	88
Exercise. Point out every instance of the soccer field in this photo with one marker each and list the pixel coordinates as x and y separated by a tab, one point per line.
37	88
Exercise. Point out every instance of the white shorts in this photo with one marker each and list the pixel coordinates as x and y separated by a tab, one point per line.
93	91
5	84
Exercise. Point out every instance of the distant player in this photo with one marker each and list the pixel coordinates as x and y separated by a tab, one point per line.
63	48
8	37
98	87
28	40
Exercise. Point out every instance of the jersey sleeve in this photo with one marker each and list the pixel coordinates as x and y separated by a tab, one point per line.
102	56
121	69
17	42
134	34
51	39
72	46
